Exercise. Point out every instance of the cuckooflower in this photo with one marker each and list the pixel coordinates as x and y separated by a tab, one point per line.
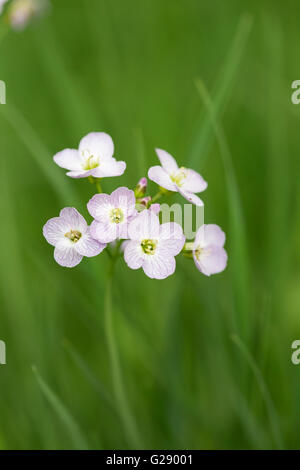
183	180
21	12
70	235
152	246
2	3
208	252
112	214
93	158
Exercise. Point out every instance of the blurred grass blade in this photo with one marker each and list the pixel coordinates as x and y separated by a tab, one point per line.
118	385
224	86
39	153
81	364
278	214
238	255
74	104
140	152
272	414
75	434
4	29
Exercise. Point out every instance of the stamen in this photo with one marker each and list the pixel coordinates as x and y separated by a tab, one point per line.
73	235
116	215
90	162
179	176
149	246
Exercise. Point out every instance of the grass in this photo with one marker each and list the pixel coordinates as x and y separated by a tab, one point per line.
189	362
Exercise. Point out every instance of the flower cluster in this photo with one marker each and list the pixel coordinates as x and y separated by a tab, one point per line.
126	222
21	12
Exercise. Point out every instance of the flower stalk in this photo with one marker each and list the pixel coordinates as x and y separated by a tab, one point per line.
118	386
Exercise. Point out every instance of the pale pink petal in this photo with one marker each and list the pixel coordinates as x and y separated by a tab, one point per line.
212	260
144	225
193	183
99	207
122	230
192	198
124	199
133	254
124	244
55	230
158	266
103	232
66	255
80	173
68	159
98	144
171	239
161	177
109	167
210	234
200	237
155	208
167	161
88	246
75	220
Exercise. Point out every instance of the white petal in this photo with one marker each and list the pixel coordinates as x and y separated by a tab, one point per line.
161	177
103	232
74	218
193	183
2	3
109	167
159	267
210	234
123	198
66	255
171	239
212	260
80	173
144	225
99	207
167	161
68	159
122	230
98	144
88	246
133	254
192	198
55	230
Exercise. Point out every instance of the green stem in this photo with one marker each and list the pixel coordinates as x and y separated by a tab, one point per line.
118	386
161	192
4	29
156	197
98	186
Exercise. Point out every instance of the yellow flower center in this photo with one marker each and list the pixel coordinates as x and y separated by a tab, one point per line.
149	246
179	176
198	252
73	235
116	215
90	161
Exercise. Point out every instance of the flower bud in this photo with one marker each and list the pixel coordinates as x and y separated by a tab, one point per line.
141	188
145	201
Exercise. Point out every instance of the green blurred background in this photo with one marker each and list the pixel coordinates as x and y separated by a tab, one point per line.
205	362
